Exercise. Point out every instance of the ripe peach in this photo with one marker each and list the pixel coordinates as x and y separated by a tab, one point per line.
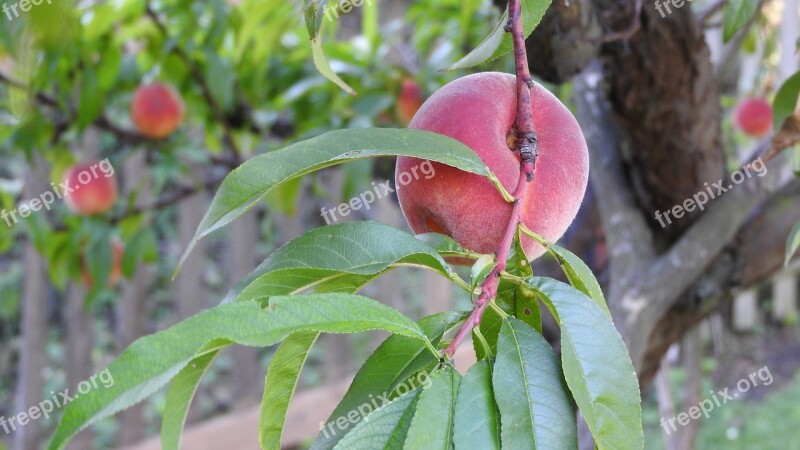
409	100
479	111
116	266
94	188
753	117
157	110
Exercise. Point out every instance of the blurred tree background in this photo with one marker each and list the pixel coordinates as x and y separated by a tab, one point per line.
245	72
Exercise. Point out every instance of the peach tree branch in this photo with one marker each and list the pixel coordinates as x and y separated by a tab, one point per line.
526	145
194	70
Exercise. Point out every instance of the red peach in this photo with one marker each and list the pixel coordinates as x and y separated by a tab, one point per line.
409	100
94	189
753	117
479	110
157	110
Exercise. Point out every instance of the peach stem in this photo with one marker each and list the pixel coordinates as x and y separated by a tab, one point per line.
527	147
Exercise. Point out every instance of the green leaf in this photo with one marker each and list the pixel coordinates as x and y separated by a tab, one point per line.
526	306
99	257
152	361
596	365
785	100
314	11
397	359
322	65
737	13
535	411
792	243
480	270
580	276
108	67
179	398
384	428
293	267
280	384
284	197
528	310
477	420
221	79
490	329
499	42
354	252
143	246
90	102
446	246
248	183
432	425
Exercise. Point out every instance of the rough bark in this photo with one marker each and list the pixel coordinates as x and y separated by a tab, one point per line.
645	284
752	256
663	93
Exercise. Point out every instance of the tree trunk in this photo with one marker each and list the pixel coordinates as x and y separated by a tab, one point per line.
190	293
666	406
132	314
32	357
247	377
338	349
132	322
79	327
692	349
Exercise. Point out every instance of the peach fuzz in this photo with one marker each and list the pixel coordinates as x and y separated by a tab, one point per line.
479	111
156	110
96	196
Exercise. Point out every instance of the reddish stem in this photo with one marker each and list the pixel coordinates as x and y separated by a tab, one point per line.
526	145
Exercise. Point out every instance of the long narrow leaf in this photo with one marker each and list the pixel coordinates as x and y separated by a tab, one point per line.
498	43
432	425
596	365
535	411
397	359
149	363
280	384
477	419
251	181
346	252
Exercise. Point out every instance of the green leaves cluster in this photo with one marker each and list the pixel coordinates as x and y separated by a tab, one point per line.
520	395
